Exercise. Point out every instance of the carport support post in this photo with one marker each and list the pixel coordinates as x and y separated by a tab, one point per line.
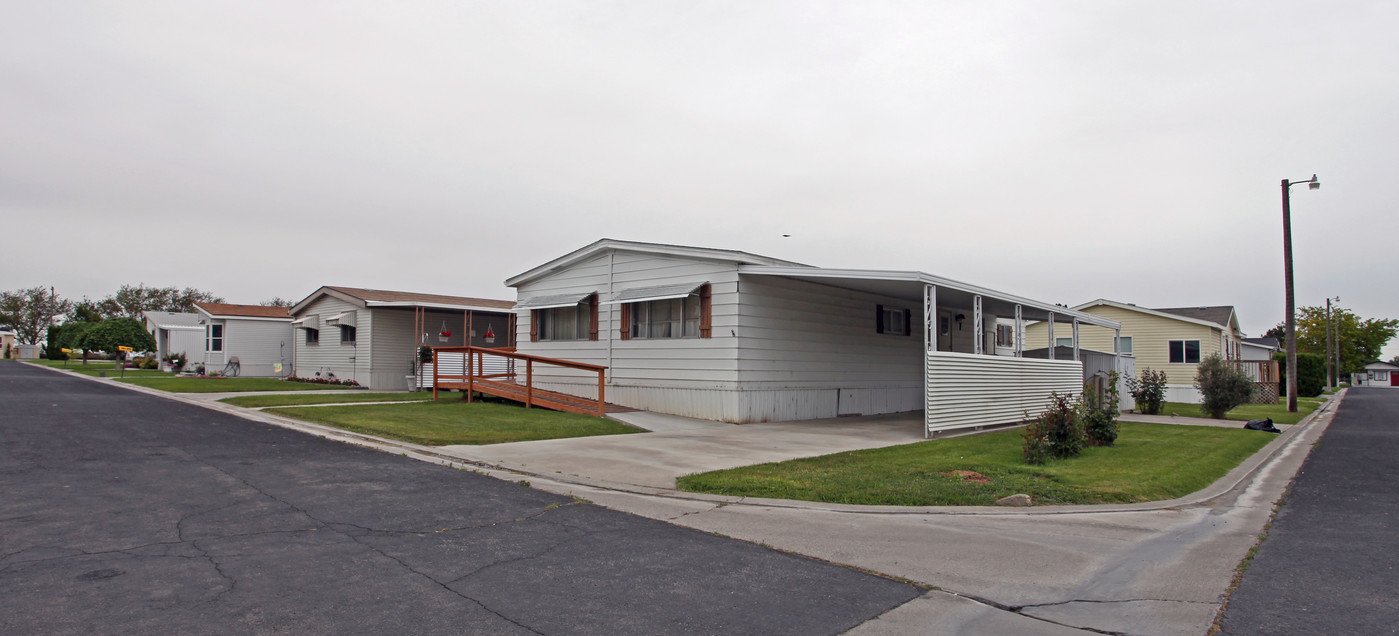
978	329
1051	335
1076	340
1019	332
930	313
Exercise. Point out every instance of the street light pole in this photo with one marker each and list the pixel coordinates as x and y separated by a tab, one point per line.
1313	184
1329	383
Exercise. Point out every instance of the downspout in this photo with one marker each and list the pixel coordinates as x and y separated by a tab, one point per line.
611	314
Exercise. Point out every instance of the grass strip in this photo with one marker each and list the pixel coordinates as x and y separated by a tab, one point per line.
298	399
1150	462
226	385
450	422
1250	411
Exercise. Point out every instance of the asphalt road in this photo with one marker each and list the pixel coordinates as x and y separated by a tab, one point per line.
122	512
1329	563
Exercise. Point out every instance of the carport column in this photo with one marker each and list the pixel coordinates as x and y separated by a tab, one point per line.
1076	340
1019	332
1051	335
978	330
930	313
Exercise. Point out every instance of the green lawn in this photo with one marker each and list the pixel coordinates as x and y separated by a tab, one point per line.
97	367
1150	462
259	401
457	422
221	385
1249	411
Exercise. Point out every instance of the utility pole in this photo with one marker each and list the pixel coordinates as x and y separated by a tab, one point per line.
1313	184
1330	379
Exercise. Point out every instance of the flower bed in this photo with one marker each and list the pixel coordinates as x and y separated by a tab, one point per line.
328	381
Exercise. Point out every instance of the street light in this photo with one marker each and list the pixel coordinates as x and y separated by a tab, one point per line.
1312	184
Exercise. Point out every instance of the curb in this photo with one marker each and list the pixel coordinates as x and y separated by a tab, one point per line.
1246	470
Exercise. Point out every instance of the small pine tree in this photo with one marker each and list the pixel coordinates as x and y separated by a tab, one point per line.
1222	385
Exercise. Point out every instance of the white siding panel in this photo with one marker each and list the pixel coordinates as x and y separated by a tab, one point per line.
346	362
969	390
259	345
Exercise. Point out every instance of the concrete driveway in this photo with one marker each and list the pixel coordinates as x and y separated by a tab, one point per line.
656	459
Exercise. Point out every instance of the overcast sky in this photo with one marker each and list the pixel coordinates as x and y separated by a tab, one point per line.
1063	151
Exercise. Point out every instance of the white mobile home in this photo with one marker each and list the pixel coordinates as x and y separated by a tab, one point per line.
373	336
737	337
176	333
246	340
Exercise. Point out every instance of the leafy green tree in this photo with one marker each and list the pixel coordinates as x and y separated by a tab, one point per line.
1222	385
131	300
108	335
31	312
277	301
1311	373
1360	340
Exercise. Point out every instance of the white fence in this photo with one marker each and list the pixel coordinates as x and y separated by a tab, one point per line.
966	390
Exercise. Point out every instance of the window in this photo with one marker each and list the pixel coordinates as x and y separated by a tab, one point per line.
1064	342
892	320
347	334
1005	336
214	338
563	323
673	318
944	325
1381	376
1185	351
313	336
1124	344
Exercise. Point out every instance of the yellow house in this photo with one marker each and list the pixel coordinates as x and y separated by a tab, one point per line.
1173	340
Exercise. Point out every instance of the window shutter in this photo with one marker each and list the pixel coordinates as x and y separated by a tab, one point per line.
592	317
879	318
625	327
534	316
908	325
706	313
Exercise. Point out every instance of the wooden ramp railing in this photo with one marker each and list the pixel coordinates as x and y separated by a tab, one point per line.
483	373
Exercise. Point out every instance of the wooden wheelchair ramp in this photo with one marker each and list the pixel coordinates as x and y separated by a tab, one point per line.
499	372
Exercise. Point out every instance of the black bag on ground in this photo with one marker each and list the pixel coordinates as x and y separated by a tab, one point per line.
1262	425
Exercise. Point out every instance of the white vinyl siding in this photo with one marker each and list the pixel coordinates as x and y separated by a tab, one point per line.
259	346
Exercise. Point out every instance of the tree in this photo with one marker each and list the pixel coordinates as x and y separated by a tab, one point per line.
1359	340
108	335
276	301
1222	385
31	311
131	300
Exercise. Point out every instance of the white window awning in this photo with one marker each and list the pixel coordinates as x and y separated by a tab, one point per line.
551	302
346	319
659	292
312	321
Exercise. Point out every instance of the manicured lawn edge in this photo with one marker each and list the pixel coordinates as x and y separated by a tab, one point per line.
302	399
451	422
1152	462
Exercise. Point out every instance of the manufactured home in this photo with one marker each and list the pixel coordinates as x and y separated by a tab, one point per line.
1377	374
244	340
738	337
374	337
176	333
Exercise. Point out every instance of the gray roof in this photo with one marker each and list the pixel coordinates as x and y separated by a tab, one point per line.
1267	342
1217	315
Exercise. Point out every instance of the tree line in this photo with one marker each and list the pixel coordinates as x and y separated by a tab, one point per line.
1360	340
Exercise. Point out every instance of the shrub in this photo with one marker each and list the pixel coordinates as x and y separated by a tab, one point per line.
1311	374
1098	412
1222	385
1149	392
320	380
1055	433
150	362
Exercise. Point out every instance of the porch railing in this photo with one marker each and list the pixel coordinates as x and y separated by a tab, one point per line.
497	371
1266	376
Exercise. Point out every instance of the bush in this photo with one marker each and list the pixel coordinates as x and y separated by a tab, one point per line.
1149	392
1311	374
149	362
1055	433
1222	385
1098	412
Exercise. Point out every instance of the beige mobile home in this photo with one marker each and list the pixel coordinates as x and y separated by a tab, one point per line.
372	336
1172	340
737	337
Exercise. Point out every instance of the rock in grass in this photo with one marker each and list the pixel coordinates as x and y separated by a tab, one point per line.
1017	501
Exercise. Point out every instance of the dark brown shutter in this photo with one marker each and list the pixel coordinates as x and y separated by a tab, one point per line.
625	327
706	313
592	317
534	316
879	318
908	325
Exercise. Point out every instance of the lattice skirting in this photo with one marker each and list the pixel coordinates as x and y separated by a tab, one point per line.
1266	393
